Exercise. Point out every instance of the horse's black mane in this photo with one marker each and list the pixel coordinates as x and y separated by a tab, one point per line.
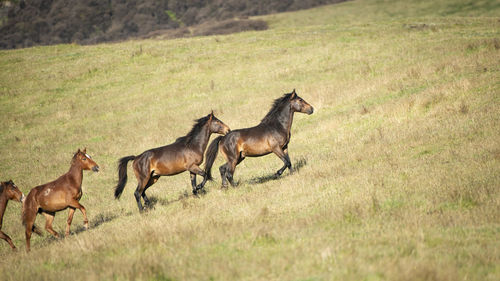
3	185
198	125
275	110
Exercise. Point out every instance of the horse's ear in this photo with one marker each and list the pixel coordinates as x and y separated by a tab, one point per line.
293	94
78	150
210	116
84	150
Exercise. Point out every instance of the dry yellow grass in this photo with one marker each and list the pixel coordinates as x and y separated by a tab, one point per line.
399	165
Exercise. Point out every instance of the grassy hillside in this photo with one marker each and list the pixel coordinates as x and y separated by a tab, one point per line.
399	164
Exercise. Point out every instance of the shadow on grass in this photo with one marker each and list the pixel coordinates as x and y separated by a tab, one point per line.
153	200
296	167
95	222
98	220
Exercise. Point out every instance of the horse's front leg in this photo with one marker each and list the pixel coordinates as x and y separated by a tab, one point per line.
76	205
7	238
71	212
193	182
196	170
283	155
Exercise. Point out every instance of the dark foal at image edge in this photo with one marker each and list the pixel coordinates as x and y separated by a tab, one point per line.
8	191
272	134
185	154
62	193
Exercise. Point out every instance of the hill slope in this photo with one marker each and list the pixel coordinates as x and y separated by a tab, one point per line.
397	168
47	22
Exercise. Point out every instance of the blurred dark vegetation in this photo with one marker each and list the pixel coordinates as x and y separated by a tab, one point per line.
25	23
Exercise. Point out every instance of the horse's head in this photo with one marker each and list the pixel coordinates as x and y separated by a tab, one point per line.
85	160
300	105
12	191
217	126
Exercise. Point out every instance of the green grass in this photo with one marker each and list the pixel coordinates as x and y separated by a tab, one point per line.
399	164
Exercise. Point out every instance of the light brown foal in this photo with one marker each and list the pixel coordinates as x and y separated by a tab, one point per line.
8	191
55	196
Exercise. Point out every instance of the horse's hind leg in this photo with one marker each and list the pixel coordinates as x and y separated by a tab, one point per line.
233	158
29	227
139	192
7	238
223	174
152	180
29	216
231	166
49	218
142	174
227	172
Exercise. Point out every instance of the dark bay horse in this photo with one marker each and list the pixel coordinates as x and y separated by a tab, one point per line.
8	191
271	135
64	192
185	154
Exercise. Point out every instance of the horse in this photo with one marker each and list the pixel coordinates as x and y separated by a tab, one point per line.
272	134
8	191
185	154
60	194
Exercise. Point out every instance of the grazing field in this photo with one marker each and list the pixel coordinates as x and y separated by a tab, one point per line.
398	169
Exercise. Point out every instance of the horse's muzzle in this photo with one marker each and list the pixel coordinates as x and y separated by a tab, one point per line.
95	169
310	111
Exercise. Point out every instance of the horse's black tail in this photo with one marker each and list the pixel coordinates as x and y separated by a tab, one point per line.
211	155
122	175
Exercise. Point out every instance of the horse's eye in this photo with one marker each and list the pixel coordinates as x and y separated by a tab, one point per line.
84	159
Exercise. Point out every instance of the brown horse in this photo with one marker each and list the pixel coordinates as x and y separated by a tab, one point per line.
8	191
55	196
271	135
185	154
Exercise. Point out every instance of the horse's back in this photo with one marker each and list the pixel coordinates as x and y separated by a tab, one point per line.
252	142
171	159
50	197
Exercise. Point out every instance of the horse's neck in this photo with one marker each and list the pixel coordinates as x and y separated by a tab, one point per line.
200	140
285	119
3	206
76	173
